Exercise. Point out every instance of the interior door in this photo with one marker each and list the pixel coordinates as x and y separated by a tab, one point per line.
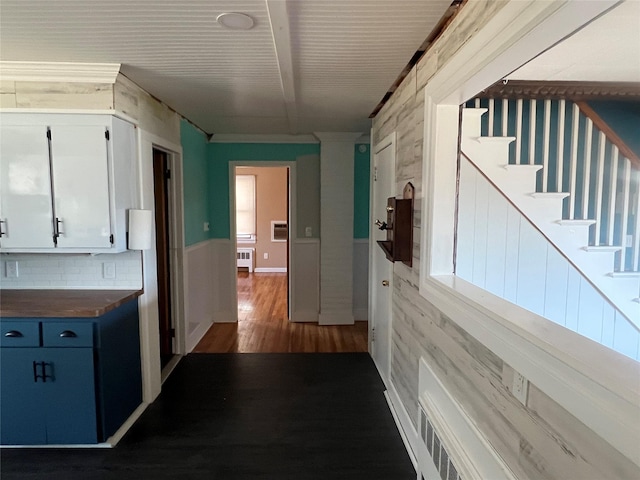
382	269
161	178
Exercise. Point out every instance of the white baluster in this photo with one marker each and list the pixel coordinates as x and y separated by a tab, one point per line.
546	144
519	131
636	230
587	168
626	183
573	170
476	102
560	157
613	180
505	116
599	185
491	114
532	131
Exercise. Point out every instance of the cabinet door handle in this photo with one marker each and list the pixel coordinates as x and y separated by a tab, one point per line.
43	369
13	334
68	334
2	232
57	231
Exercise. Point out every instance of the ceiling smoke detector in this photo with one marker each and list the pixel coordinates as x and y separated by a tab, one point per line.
235	21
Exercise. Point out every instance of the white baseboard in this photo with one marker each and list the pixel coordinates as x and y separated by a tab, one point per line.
195	336
336	318
305	317
270	270
403	422
225	317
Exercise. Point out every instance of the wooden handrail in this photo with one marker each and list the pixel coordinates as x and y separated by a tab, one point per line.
609	133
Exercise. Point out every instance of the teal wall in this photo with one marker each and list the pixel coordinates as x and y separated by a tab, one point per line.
195	172
624	119
361	171
220	154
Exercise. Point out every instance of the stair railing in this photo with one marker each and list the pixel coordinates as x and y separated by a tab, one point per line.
581	156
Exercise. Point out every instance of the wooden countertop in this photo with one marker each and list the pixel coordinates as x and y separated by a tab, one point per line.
62	303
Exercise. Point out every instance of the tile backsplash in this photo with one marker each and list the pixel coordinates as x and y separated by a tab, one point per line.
72	271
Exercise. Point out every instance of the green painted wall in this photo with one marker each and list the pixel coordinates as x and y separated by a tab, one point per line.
195	171
308	184
361	171
623	117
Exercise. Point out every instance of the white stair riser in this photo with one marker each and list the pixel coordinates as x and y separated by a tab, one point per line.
491	154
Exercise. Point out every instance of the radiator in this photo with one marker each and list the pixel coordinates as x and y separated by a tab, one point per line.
244	258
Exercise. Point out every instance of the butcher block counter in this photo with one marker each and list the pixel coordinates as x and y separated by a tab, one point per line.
69	365
62	303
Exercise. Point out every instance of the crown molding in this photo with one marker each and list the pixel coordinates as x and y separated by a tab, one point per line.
349	137
60	72
564	90
260	138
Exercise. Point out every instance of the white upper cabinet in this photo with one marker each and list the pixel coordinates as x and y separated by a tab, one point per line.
25	187
67	181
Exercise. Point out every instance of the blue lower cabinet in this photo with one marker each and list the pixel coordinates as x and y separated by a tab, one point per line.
77	385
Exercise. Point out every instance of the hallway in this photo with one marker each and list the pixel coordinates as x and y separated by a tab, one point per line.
263	326
229	416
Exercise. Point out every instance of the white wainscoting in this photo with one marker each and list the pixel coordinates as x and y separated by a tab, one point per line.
500	251
360	278
198	278
306	280
224	289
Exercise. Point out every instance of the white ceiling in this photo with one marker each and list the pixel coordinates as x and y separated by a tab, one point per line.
606	50
307	65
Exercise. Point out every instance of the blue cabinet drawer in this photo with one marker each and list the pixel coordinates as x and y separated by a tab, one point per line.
67	334
20	334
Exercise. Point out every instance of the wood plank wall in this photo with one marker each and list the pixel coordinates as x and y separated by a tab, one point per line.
541	441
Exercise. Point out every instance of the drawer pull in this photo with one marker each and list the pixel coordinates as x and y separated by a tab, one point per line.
13	334
68	334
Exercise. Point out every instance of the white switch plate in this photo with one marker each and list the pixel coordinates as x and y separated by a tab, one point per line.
520	387
109	270
205	226
11	267
307	232
266	256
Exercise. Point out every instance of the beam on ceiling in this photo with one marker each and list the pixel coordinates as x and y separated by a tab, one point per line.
279	20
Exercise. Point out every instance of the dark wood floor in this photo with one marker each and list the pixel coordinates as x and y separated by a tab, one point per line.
263	325
254	416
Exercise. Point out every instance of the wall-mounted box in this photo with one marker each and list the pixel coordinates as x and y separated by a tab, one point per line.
399	226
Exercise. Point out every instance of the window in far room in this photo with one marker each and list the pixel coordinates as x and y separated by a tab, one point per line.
246	208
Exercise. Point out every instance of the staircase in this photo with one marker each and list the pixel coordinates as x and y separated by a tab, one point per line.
591	216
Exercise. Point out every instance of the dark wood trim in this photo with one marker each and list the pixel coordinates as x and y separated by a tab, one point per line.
609	133
575	91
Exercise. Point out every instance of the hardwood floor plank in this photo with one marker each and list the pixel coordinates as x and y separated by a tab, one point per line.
263	326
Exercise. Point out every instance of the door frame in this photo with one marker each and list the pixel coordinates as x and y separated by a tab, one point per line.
374	289
152	373
292	226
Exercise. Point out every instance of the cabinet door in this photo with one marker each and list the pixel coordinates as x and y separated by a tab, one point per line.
22	416
81	186
25	187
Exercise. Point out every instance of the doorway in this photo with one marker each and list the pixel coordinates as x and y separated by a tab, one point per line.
161	183
262	243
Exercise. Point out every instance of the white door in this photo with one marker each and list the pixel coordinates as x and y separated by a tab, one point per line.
81	186
382	269
25	187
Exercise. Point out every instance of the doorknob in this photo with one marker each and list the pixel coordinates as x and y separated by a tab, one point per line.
385	283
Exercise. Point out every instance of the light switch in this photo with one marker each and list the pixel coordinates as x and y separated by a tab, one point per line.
109	270
205	226
307	232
